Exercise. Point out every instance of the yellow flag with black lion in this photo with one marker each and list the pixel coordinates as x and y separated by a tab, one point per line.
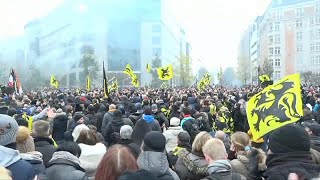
275	106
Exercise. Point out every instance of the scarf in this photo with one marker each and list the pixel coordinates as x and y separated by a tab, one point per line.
65	155
219	166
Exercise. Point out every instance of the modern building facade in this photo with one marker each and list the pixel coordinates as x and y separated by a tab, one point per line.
288	37
120	32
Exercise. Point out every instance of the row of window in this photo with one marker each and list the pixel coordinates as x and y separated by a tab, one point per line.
276	62
315	59
276	75
276	51
299	23
274	38
315	47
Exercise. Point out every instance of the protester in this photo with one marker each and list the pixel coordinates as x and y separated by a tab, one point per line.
159	116
218	165
26	147
9	156
313	130
153	157
107	118
240	145
192	165
92	151
60	122
99	116
125	135
112	135
224	138
42	141
289	152
77	130
171	134
117	160
65	163
183	142
189	124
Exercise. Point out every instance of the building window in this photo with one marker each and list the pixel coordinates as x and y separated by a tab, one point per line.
299	48
317	20
316	59
277	50
278	15
298	23
299	36
156	40
317	33
317	47
312	47
156	28
271	51
311	34
299	12
277	38
270	27
277	62
277	74
317	9
271	62
156	52
271	39
277	26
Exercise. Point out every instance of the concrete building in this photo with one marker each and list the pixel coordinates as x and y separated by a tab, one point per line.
288	36
120	32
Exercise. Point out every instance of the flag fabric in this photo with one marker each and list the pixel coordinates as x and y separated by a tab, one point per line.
148	68
207	78
165	73
275	106
201	84
135	81
264	78
220	73
88	84
114	86
129	70
14	82
54	82
105	83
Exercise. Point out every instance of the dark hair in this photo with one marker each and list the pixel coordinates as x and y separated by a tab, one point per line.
117	160
186	111
88	137
70	147
148	111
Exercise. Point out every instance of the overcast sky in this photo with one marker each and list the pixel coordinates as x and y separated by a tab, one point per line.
214	27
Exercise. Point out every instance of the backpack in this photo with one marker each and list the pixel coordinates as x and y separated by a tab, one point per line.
194	129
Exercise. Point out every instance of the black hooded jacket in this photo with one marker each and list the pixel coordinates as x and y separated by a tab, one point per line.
113	128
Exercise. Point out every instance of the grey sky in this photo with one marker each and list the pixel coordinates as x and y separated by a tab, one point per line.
213	27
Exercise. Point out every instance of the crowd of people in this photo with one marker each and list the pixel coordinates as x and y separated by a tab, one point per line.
165	134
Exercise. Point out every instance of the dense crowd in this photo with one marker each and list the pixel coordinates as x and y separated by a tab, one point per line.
166	134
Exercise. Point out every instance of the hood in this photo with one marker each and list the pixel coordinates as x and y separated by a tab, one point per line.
8	156
155	162
32	156
61	114
148	118
117	122
219	166
102	108
66	156
88	150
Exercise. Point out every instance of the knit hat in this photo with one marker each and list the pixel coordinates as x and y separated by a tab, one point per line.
139	175
117	113
24	140
77	130
184	137
8	130
154	141
174	121
154	107
289	138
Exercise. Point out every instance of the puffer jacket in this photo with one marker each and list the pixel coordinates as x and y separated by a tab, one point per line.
157	164
45	146
191	166
65	166
241	164
171	136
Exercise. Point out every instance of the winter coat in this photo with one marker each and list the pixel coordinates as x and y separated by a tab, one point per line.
107	118
171	136
20	169
191	166
125	142
279	166
65	166
203	120
99	116
154	124
315	155
113	130
91	156
46	147
127	121
161	118
141	128
60	122
174	154
315	142
157	164
221	170
135	117
241	164
35	159
187	124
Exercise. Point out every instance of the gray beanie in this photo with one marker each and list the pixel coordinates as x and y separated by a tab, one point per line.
8	130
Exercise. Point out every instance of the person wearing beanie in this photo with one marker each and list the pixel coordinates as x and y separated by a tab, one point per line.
183	143
9	156
134	117
107	118
149	118
289	152
42	141
60	123
26	147
171	134
153	158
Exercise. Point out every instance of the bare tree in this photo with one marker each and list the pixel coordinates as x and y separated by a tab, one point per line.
243	69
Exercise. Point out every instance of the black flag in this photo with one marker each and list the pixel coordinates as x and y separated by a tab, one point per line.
105	83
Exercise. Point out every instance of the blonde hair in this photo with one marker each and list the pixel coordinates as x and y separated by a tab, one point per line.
240	140
215	149
199	141
5	173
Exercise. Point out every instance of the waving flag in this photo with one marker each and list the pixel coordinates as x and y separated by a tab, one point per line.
148	68
14	82
54	82
275	106
165	73
105	82
264	78
88	84
129	71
